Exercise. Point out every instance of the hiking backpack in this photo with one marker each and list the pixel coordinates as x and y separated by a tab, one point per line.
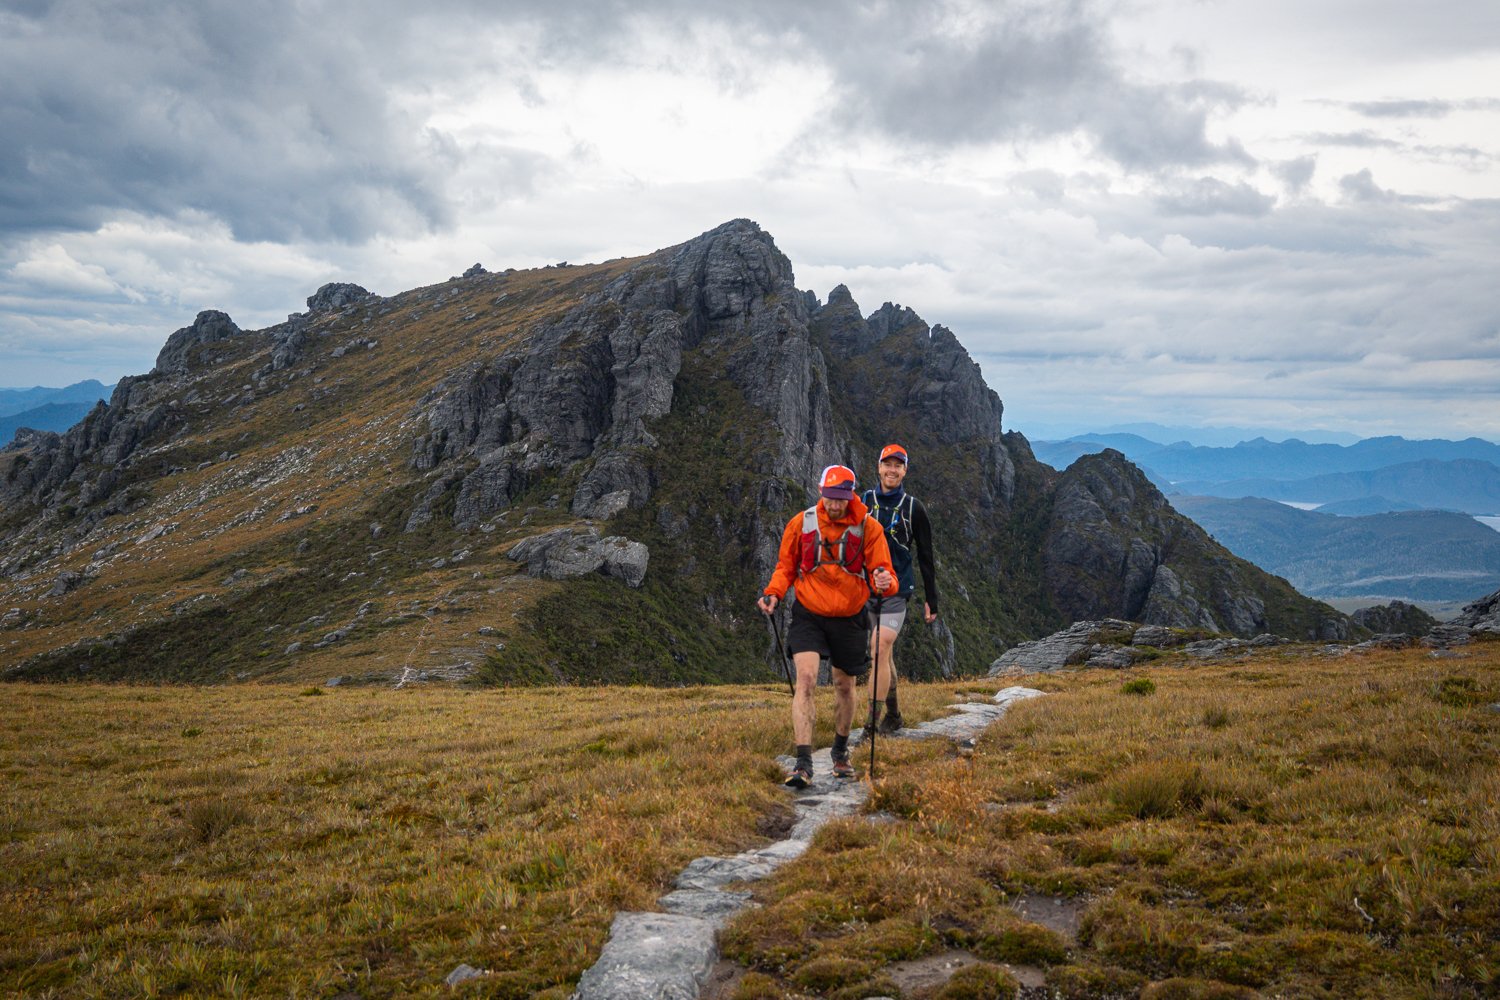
900	526
850	558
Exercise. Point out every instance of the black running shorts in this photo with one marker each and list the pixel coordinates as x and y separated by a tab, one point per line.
845	641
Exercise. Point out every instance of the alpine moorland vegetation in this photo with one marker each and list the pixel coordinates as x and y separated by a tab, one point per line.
1290	825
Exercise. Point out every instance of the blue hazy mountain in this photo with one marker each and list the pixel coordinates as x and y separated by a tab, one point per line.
14	401
44	409
1211	437
1467	485
1261	459
1413	555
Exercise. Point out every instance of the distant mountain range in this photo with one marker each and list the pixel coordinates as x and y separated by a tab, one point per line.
1213	437
1376	474
1414	555
1465	485
45	409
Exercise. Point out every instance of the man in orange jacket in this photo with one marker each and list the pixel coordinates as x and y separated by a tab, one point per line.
834	554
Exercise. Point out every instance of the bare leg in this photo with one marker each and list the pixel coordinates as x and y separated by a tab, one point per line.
802	702
883	655
843	702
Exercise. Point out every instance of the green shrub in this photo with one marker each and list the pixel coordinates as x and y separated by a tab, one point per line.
1093	982
1216	716
756	986
1141	685
209	819
829	972
1196	989
979	982
1156	789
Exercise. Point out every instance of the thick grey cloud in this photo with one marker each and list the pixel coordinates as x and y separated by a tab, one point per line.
273	116
287	120
1019	72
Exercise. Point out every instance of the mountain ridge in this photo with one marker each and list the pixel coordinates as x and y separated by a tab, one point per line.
348	490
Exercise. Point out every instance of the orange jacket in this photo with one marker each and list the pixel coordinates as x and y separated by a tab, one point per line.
829	590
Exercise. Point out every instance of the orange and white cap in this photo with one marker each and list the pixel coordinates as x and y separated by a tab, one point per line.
837	483
894	451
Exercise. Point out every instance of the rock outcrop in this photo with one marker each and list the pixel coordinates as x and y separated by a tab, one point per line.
1116	644
1480	618
1395	618
334	296
569	552
581	392
210	327
1115	545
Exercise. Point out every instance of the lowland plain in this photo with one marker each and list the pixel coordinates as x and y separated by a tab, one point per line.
1294	824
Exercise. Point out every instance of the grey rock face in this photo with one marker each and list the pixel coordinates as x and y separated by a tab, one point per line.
1114	546
211	326
90	455
1070	647
579	392
931	374
1156	635
1481	616
1397	617
1113	657
574	552
335	296
66	582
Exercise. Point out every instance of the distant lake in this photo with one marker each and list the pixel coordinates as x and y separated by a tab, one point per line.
1488	520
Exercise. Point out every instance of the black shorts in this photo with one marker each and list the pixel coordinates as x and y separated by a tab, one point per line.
845	641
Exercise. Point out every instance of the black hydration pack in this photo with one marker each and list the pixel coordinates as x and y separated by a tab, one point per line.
900	527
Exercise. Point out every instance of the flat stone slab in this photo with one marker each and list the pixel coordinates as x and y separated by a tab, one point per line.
716	906
652	956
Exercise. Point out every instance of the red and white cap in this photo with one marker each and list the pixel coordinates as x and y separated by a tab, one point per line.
837	483
893	451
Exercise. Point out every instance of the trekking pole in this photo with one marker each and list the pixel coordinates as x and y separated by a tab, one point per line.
874	683
786	664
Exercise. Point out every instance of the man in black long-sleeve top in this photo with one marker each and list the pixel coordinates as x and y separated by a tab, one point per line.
909	532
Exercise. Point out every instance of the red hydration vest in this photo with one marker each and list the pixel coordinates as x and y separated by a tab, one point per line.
848	557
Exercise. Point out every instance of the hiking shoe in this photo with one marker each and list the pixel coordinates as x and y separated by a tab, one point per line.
800	777
891	723
842	769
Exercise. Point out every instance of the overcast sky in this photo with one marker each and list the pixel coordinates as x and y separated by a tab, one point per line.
1250	212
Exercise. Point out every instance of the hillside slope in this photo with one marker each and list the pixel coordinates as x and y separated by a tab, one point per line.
1417	555
346	493
1468	485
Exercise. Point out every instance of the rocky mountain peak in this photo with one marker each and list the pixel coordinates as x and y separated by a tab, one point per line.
1114	542
210	326
336	295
